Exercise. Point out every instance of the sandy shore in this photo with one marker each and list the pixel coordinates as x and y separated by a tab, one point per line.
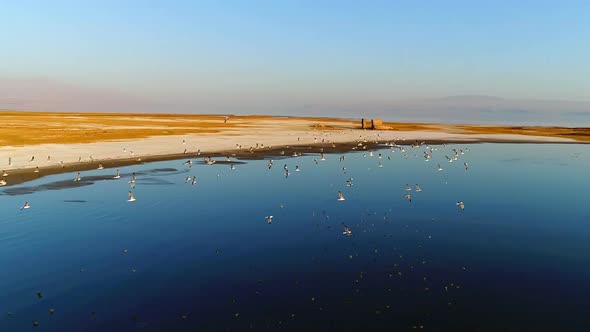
63	142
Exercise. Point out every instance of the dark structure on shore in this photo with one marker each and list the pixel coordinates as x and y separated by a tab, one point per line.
373	124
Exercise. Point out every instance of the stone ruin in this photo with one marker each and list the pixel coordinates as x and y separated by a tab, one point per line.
373	124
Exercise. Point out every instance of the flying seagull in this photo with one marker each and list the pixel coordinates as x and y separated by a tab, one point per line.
347	230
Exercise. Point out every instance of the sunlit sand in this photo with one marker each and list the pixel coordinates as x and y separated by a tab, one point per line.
60	140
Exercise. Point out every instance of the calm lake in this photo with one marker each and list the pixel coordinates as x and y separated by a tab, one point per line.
203	257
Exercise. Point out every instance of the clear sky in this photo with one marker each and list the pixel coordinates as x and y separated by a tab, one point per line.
264	53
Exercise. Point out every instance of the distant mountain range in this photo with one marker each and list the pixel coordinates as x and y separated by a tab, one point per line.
488	109
48	95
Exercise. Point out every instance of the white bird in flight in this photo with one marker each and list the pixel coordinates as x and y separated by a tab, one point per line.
347	230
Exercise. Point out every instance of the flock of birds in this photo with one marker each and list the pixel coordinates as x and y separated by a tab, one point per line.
428	152
361	144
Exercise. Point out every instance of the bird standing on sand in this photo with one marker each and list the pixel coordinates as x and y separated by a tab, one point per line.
9	161
131	197
36	169
2	182
32	158
100	166
4	173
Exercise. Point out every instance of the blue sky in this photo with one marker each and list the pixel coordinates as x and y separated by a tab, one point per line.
265	53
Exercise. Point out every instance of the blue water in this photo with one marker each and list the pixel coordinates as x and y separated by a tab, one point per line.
203	257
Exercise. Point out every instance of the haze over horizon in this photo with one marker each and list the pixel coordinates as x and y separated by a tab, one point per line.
454	62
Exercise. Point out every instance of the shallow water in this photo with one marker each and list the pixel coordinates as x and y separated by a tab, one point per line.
203	257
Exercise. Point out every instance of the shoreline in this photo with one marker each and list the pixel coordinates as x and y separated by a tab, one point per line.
68	142
22	175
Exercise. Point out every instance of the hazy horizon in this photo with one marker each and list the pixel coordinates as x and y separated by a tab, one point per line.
397	60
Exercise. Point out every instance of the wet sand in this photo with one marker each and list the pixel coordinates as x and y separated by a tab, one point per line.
78	142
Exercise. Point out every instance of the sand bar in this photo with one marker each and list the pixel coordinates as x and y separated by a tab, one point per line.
79	141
